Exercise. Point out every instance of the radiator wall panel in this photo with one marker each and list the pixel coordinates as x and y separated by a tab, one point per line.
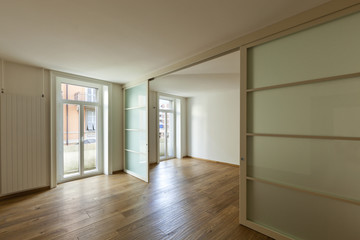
23	148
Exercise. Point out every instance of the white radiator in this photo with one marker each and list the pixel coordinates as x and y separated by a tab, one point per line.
23	148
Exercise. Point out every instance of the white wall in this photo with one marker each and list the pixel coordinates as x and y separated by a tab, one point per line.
214	125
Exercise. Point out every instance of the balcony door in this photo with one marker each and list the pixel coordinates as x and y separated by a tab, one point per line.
78	126
166	129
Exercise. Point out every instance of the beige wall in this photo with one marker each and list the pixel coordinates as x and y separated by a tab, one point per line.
25	80
116	115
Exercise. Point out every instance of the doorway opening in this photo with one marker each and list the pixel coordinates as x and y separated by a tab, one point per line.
210	111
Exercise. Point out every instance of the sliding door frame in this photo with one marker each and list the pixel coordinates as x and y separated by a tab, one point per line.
243	113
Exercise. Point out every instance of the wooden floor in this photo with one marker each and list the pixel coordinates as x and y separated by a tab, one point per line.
186	199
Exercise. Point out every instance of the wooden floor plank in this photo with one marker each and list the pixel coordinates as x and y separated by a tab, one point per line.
186	199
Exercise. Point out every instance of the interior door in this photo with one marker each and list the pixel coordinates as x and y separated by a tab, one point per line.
136	131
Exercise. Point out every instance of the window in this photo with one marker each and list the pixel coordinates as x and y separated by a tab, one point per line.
90	95
78	93
165	104
77	96
90	119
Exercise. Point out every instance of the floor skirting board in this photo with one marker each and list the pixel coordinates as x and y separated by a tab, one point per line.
24	193
203	159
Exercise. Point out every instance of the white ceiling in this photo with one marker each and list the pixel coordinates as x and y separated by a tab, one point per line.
123	40
222	73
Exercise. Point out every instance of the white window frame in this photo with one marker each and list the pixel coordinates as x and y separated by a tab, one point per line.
104	122
98	104
173	111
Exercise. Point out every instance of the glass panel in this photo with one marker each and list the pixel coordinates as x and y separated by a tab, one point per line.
327	166
162	134
329	108
301	215
170	134
90	138
326	50
136	118
165	104
78	93
136	163
135	141
71	137
136	96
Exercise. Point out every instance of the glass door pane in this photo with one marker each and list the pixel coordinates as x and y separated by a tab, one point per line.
136	131
79	129
90	138
79	93
170	135
162	126
71	140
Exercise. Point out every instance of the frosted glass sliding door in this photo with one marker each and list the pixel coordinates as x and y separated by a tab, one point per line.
136	131
300	148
